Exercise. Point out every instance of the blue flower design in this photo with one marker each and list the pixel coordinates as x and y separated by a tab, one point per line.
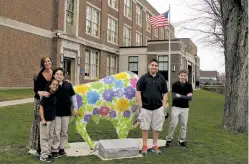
119	93
108	79
87	117
127	113
112	114
108	95
130	92
134	108
79	100
92	97
95	111
119	84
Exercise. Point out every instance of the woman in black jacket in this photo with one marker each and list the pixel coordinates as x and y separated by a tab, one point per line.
41	83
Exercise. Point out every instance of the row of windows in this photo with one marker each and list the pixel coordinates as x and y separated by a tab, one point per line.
92	59
162	65
93	17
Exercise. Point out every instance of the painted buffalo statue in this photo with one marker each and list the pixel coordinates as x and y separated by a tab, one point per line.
112	98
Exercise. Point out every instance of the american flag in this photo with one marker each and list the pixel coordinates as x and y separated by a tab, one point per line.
160	20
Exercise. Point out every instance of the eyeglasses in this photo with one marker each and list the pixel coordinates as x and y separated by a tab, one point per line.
55	85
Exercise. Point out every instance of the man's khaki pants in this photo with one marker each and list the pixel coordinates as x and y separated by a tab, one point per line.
61	136
46	137
176	114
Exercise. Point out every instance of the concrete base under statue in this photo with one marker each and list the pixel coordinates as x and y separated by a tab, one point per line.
126	150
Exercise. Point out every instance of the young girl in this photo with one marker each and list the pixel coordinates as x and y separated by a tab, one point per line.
65	98
47	124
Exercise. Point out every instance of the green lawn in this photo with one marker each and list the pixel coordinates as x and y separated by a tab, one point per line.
208	142
13	94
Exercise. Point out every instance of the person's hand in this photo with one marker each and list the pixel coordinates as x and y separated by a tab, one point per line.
75	112
68	81
43	121
190	94
178	95
46	94
40	93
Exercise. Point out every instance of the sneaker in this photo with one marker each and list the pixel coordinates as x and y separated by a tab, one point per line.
46	159
168	143
182	144
55	154
62	153
156	150
144	150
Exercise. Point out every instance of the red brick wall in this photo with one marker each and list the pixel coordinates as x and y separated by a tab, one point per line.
34	12
20	55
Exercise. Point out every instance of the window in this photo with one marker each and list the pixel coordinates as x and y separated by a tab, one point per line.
139	39
148	25
70	11
111	66
163	66
133	64
127	8
112	30
139	15
93	21
113	4
147	38
127	36
161	33
91	64
156	31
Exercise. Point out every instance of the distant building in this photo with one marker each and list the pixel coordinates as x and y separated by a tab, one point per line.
208	77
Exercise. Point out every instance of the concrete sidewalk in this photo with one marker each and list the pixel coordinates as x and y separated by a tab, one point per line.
16	102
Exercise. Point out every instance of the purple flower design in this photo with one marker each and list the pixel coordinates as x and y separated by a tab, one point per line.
87	117
119	93
108	95
108	79
79	100
112	114
95	111
130	92
127	113
134	108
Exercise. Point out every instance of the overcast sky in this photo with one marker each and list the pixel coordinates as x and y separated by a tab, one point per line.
211	57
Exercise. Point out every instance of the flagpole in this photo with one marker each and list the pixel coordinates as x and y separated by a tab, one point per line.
169	57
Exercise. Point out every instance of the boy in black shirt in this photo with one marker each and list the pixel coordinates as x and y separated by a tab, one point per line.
47	124
182	93
65	98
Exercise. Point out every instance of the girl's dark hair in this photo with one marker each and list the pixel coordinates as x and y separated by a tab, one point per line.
59	69
51	81
42	67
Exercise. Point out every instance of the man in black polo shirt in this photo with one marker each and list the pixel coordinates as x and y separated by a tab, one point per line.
152	95
182	93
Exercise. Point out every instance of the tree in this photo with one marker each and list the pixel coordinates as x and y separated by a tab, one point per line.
227	27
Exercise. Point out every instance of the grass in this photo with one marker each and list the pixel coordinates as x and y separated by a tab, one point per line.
208	142
14	94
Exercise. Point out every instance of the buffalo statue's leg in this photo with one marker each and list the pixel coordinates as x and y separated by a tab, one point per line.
81	129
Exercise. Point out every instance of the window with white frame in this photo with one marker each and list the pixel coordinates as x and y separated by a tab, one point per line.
147	38
70	11
148	25
111	66
127	36
161	33
139	39
92	21
127	8
91	64
133	64
113	4
139	15
163	65
112	30
156	31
